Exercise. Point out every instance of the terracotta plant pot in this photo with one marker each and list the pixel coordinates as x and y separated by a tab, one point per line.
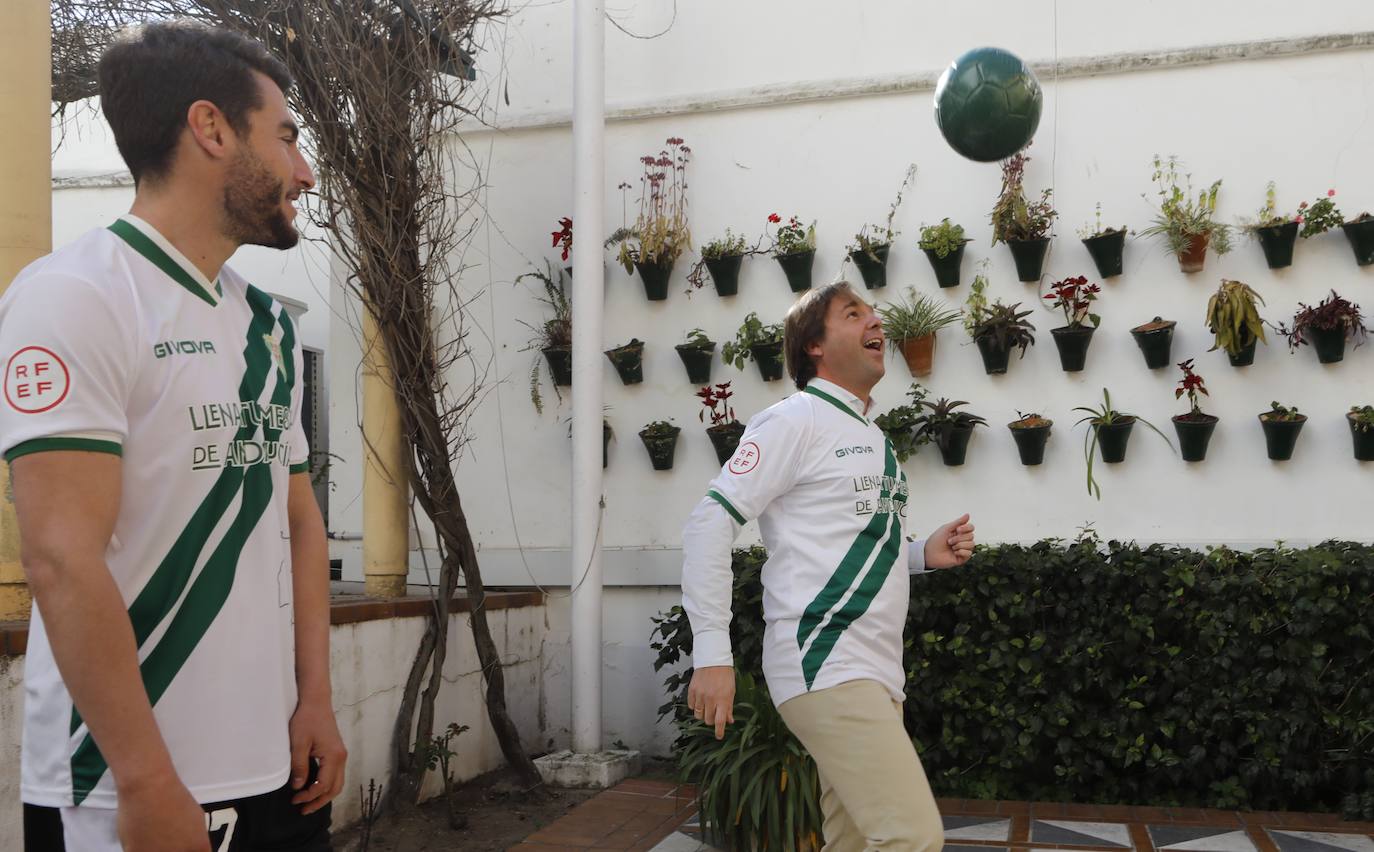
919	353
1194	255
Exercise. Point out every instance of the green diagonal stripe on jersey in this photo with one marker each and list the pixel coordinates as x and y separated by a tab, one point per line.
212	587
814	391
850	565
140	243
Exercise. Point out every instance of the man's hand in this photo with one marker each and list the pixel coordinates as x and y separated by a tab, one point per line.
712	696
315	733
161	817
950	545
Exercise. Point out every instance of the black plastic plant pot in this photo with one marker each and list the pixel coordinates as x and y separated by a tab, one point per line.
1194	433
661	448
1029	256
655	276
797	268
725	273
1277	242
1030	443
560	364
953	444
1281	436
1363	439
1112	439
1107	251
995	357
1361	236
873	272
725	438
769	358
1246	356
1328	342
1072	342
628	362
1155	339
605	444
698	362
947	267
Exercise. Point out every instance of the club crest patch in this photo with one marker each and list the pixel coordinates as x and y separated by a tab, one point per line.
36	380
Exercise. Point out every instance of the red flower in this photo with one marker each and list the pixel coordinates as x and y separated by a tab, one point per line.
1330	192
774	218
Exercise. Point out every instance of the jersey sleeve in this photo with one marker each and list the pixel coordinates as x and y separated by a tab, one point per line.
69	367
763	467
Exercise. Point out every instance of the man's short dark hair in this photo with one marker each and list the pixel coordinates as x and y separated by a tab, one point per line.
805	325
150	76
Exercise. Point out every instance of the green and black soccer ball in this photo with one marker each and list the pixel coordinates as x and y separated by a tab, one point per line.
987	104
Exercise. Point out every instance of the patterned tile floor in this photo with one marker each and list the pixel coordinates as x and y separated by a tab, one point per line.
657	816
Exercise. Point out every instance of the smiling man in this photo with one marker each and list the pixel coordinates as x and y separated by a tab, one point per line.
177	690
824	483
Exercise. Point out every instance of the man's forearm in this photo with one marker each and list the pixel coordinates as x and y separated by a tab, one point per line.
93	644
310	586
707	582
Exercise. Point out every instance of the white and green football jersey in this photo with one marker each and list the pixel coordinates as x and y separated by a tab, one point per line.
117	344
830	498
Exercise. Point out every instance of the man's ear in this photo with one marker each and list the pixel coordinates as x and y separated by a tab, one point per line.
209	129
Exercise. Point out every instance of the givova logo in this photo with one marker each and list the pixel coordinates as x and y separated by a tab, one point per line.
182	347
852	451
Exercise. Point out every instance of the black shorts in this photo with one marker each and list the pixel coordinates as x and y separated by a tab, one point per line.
264	823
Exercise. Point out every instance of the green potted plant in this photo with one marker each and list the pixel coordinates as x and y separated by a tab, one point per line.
948	429
1155	338
943	245
1326	327
660	233
1030	432
660	439
996	329
1188	225
1109	430
1107	246
1281	425
553	337
1320	216
1194	428
1233	317
873	242
899	424
628	360
759	343
697	352
1023	225
910	326
794	248
722	258
1276	232
1074	296
1361	420
724	431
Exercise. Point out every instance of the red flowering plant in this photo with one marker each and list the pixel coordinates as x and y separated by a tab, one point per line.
1320	216
1192	385
1074	296
716	402
660	232
563	237
792	237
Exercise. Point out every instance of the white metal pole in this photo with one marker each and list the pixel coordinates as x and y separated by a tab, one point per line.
589	118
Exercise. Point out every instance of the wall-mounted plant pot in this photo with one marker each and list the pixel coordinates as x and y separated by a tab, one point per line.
1277	241
1107	251
872	268
797	268
560	364
995	357
1072	342
1362	438
1281	436
947	267
725	273
1361	236
1329	343
1155	339
725	439
661	447
628	361
919	354
1030	257
1246	356
1030	441
1194	255
769	358
1112	438
655	276
953	445
1194	433
698	361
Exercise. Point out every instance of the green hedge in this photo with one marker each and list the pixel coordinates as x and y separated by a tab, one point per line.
1110	673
